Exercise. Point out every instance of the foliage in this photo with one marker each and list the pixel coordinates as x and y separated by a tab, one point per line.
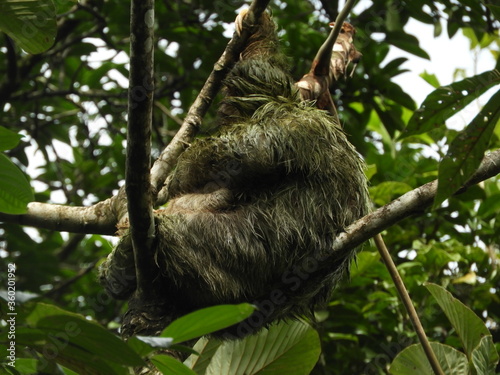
15	190
69	104
474	336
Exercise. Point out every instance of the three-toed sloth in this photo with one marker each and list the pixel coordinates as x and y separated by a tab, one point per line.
254	209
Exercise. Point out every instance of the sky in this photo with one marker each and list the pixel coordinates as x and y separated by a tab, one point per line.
446	55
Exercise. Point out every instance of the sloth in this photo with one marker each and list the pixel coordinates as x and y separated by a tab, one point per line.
254	209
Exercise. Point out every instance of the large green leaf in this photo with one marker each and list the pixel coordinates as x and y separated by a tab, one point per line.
285	348
485	357
170	366
15	190
469	327
207	320
446	101
412	360
8	139
406	42
206	349
31	23
74	341
383	193
467	150
495	9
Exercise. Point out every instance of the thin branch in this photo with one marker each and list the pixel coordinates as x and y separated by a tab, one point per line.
403	293
169	113
165	163
70	246
137	175
59	289
325	52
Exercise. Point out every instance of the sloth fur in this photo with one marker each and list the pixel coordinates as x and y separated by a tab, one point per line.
254	209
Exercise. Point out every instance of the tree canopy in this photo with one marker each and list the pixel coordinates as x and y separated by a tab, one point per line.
64	69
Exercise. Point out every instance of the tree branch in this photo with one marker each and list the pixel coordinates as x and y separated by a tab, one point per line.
96	219
408	204
407	302
168	158
324	54
137	175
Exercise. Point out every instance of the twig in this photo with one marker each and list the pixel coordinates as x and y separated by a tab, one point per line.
323	66
403	293
59	289
165	163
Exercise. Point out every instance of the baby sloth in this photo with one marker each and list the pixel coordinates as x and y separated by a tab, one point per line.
254	209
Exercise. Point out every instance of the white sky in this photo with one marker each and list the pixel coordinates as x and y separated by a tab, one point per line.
446	56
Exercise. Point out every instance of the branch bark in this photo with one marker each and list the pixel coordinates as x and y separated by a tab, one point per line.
137	177
324	54
408	204
95	219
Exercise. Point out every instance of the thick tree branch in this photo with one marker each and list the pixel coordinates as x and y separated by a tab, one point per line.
168	158
408	204
137	177
96	219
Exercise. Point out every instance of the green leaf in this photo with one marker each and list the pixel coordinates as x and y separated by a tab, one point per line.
489	206
495	9
449	100
139	346
384	192
31	23
406	42
412	360
467	150
170	366
77	338
485	357
291	348
470	328
8	139
430	78
206	349
15	190
370	171
205	321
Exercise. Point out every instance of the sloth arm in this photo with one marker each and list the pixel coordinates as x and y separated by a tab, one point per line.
249	155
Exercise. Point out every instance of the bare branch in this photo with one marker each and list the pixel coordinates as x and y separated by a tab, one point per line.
407	302
325	52
96	219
